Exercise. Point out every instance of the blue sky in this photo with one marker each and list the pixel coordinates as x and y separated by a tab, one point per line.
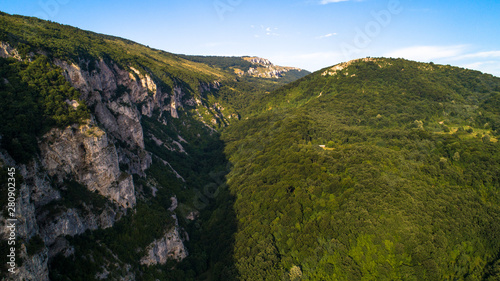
310	34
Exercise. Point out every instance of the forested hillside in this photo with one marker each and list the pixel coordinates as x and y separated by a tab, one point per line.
405	188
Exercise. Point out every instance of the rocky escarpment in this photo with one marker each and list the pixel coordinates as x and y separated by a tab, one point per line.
263	68
101	157
170	246
338	68
33	191
36	220
121	97
6	51
84	152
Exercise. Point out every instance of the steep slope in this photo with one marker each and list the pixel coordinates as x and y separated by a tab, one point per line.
375	169
119	166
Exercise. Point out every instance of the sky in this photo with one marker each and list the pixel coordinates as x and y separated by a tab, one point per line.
310	34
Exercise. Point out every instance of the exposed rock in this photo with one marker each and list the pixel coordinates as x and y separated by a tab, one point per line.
34	267
107	218
33	190
6	51
180	147
257	60
137	162
85	153
100	86
176	102
68	223
207	87
168	247
173	170
334	70
128	125
193	215
174	204
61	245
264	68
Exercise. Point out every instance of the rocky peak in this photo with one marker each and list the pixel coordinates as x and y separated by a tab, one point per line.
257	60
263	68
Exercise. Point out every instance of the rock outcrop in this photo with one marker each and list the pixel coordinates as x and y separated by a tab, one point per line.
170	246
6	51
85	153
263	68
34	193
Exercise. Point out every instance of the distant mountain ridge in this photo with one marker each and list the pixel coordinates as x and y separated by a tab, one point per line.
248	66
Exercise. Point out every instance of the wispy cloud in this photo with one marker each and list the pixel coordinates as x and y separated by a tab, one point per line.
477	65
324	2
311	61
326	35
269	31
461	55
489	54
427	53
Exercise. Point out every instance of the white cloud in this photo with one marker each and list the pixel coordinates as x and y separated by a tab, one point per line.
326	35
310	61
477	65
427	53
269	31
485	61
324	2
489	54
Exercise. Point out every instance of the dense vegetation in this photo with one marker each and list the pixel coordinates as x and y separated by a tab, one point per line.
406	189
34	98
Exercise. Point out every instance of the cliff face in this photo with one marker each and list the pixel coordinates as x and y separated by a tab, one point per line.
100	156
170	246
33	192
86	153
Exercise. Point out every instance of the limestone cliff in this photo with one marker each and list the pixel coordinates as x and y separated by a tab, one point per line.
36	192
263	68
103	157
85	152
170	246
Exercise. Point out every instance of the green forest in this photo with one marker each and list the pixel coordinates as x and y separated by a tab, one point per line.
407	187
